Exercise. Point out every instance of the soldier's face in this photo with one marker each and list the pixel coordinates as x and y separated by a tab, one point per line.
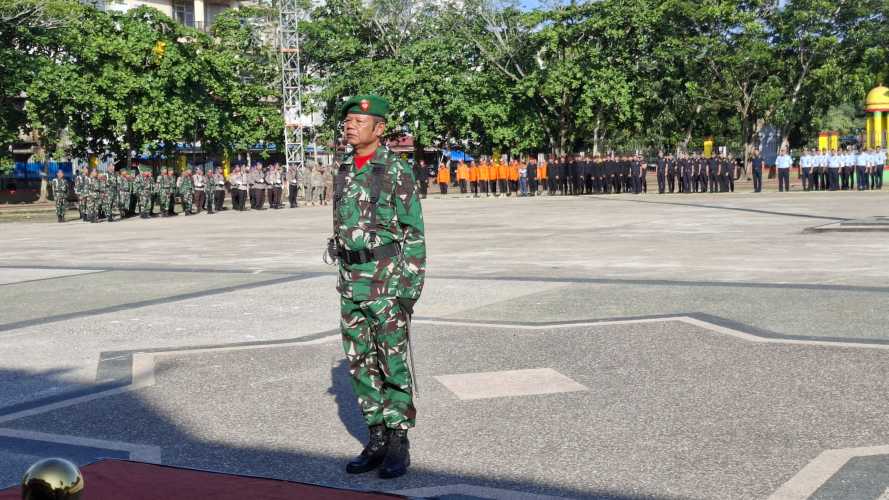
361	130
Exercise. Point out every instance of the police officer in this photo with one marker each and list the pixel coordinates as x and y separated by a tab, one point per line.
381	251
783	164
756	166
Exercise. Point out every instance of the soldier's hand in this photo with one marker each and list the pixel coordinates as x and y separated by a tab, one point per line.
407	305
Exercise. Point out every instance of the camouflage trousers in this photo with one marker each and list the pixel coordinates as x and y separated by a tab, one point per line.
104	202
187	200
375	342
166	199
61	205
144	203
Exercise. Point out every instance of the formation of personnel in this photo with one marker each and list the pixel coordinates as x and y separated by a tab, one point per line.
556	176
109	194
841	170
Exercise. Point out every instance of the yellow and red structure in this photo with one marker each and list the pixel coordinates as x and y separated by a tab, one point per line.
876	107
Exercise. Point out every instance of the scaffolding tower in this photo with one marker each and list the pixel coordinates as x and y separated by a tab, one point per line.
291	85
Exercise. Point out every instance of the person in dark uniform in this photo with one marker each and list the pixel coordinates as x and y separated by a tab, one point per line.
421	172
713	173
532	176
756	165
670	165
634	175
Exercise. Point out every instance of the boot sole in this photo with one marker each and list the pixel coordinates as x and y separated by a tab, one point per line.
384	474
350	469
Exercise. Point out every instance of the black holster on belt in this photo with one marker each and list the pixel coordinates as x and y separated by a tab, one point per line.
353	257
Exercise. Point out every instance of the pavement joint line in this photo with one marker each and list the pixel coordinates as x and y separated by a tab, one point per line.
138	452
470	490
86	272
141	373
740	209
817	472
150	302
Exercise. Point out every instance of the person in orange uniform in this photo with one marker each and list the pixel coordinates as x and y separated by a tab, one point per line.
443	178
514	177
484	176
542	175
503	177
473	178
493	175
462	176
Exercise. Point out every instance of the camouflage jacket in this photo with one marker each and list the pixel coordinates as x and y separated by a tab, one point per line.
399	220
59	189
80	184
114	183
99	187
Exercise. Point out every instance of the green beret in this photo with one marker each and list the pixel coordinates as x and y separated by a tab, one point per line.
365	105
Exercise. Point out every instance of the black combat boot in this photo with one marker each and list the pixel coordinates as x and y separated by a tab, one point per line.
61	219
373	454
398	456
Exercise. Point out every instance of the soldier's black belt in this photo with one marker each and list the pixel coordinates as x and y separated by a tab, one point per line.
353	257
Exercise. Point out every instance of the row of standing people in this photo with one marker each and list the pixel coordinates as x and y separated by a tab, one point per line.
104	195
579	175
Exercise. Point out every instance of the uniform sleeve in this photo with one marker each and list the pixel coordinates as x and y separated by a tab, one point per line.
410	220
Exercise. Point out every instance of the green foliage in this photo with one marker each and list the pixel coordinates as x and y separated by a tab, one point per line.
573	77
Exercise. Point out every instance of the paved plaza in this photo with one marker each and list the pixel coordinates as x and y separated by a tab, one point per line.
617	347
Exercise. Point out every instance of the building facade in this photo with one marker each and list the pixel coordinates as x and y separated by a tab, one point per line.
198	14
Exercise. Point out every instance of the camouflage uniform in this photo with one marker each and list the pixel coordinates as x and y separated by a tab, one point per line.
124	191
373	323
113	188
165	186
60	195
186	192
103	196
144	187
81	183
209	189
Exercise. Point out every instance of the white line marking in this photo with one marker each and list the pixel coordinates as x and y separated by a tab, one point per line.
140	452
818	471
682	319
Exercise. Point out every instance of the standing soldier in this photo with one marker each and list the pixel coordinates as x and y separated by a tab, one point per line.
102	196
185	186
167	193
219	189
113	191
209	190
81	189
145	188
382	262
293	186
59	187
92	197
531	169
124	189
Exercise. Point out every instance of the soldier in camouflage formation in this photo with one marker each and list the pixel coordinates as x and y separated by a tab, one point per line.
164	186
81	183
380	246
113	188
60	194
185	186
92	208
144	188
209	189
124	191
103	196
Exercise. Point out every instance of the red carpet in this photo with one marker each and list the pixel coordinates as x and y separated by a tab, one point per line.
123	480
